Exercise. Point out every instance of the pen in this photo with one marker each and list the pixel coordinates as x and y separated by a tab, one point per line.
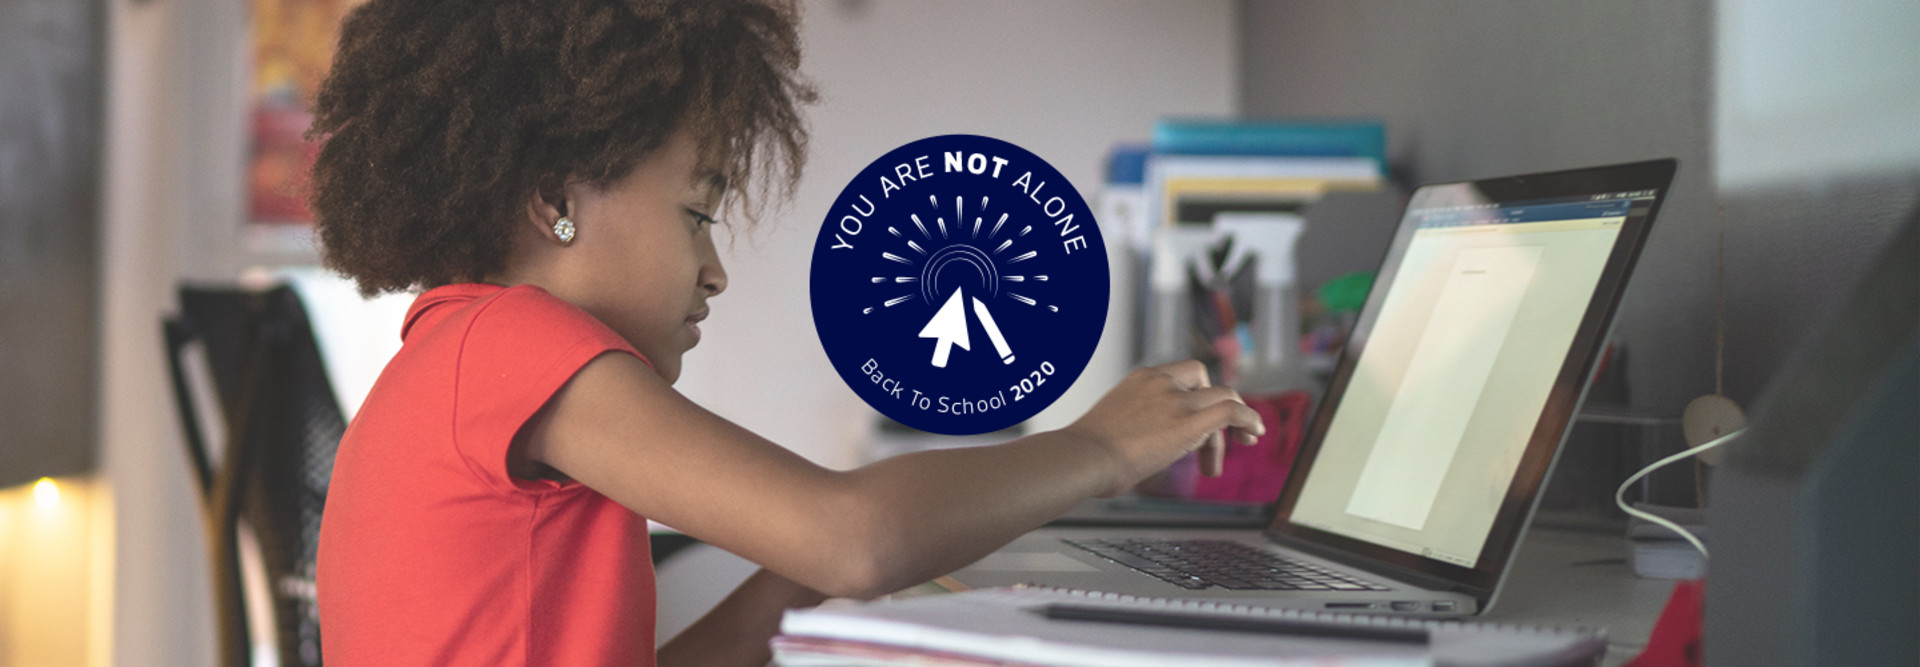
1271	626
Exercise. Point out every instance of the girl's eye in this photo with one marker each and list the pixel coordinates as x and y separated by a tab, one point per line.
702	219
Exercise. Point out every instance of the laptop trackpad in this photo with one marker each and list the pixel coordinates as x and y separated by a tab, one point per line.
1031	561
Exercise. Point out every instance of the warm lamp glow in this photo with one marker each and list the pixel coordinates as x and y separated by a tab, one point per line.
46	493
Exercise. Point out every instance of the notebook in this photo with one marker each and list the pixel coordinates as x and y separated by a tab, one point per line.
1421	468
1004	625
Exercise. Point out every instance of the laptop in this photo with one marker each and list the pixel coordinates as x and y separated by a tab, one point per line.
1425	460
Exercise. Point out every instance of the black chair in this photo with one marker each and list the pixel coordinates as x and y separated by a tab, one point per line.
282	426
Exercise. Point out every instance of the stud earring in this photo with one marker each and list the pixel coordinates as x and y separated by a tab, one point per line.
564	230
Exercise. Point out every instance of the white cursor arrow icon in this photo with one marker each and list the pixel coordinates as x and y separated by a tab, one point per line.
948	328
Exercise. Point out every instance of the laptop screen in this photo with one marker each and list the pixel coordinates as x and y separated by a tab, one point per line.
1453	367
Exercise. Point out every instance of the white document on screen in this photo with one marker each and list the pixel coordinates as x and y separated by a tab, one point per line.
1444	381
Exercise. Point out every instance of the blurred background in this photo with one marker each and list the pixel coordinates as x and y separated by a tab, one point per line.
140	141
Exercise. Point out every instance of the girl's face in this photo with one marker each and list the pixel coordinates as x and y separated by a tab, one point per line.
643	261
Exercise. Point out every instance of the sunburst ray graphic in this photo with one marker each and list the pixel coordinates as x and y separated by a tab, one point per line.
960	246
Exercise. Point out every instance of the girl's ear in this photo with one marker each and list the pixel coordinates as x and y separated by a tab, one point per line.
547	206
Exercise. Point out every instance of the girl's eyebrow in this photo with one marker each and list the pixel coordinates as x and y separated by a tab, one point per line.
714	182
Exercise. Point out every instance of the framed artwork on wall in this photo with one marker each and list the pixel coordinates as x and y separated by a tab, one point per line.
292	46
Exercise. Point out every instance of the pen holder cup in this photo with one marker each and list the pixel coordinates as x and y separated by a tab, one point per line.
1252	474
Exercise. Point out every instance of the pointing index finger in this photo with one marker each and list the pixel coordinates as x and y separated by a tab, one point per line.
1188	375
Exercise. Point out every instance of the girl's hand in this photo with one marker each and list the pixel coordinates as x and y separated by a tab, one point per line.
1158	414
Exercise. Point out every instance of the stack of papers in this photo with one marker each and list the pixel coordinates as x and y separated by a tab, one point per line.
1005	626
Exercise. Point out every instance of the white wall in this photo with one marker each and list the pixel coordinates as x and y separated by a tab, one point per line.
1065	79
1812	90
172	202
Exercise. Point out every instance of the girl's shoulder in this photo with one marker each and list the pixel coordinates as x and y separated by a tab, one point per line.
516	312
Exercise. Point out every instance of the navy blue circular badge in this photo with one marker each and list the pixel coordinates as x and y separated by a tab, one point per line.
959	284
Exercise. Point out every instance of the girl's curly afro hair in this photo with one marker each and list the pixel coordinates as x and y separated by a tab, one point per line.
440	119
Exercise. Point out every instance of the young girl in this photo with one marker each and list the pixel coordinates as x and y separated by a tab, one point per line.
549	171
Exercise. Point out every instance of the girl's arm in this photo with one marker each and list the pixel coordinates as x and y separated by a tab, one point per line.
621	430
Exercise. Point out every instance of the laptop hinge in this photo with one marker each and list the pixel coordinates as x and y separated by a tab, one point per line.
1420	579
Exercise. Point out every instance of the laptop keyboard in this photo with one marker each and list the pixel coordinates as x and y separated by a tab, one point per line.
1201	564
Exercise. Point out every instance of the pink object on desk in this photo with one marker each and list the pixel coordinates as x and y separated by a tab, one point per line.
1676	636
1253	474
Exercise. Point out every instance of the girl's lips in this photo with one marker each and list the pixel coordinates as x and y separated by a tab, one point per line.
693	324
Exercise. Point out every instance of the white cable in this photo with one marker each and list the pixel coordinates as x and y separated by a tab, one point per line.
1620	495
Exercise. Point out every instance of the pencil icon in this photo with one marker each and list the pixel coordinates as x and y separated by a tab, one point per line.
993	332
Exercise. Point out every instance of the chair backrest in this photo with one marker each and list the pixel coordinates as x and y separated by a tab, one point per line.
282	425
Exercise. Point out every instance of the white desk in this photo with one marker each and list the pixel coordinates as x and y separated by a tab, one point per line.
1561	577
1565	577
1568	577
